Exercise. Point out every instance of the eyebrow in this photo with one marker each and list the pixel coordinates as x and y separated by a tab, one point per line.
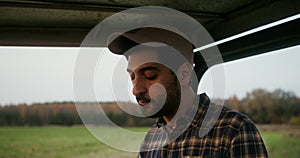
145	69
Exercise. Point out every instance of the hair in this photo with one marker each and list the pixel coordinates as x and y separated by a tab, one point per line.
200	65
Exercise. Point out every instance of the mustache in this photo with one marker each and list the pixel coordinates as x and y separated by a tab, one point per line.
142	97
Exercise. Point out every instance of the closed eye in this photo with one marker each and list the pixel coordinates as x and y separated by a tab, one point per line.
132	76
151	77
150	74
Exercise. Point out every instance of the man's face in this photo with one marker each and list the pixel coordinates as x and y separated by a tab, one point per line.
155	86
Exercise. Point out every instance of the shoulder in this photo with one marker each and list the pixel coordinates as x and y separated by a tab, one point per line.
233	119
245	139
221	115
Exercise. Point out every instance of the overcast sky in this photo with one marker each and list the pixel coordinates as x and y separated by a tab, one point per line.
37	74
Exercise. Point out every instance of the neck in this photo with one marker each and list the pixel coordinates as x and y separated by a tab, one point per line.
187	99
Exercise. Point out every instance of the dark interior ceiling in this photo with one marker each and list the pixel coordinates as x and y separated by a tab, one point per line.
67	22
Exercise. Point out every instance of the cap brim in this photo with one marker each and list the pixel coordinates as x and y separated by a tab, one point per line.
119	43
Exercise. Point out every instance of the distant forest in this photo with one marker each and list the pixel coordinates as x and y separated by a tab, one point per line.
264	107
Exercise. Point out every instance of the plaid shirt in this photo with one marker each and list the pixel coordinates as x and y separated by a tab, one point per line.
232	135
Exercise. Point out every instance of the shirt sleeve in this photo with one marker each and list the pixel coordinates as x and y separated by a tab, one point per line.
248	143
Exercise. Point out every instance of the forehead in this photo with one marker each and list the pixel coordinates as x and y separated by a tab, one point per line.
143	58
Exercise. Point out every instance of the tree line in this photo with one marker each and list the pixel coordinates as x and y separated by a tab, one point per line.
65	113
264	107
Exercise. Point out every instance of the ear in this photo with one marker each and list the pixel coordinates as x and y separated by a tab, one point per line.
184	73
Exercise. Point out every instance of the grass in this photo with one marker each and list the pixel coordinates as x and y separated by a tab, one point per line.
279	145
58	142
78	142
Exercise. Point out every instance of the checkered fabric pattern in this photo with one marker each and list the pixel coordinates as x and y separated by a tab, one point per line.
233	135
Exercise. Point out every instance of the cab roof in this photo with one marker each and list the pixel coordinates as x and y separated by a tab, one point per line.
65	23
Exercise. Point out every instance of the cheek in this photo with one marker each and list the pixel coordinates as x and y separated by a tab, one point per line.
158	92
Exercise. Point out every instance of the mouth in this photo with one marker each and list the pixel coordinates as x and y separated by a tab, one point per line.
143	101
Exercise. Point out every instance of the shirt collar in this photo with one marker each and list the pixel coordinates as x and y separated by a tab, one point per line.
204	102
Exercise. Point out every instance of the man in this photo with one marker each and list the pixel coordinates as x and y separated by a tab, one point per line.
160	64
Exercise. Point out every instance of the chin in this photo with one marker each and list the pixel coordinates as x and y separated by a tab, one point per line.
155	115
164	111
151	114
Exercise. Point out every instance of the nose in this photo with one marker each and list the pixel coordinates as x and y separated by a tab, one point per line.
139	86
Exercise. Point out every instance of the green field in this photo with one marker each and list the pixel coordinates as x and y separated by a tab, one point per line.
280	146
53	142
77	142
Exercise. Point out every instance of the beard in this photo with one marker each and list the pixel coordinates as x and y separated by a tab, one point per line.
171	104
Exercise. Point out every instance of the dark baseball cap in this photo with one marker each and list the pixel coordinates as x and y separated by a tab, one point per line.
120	43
